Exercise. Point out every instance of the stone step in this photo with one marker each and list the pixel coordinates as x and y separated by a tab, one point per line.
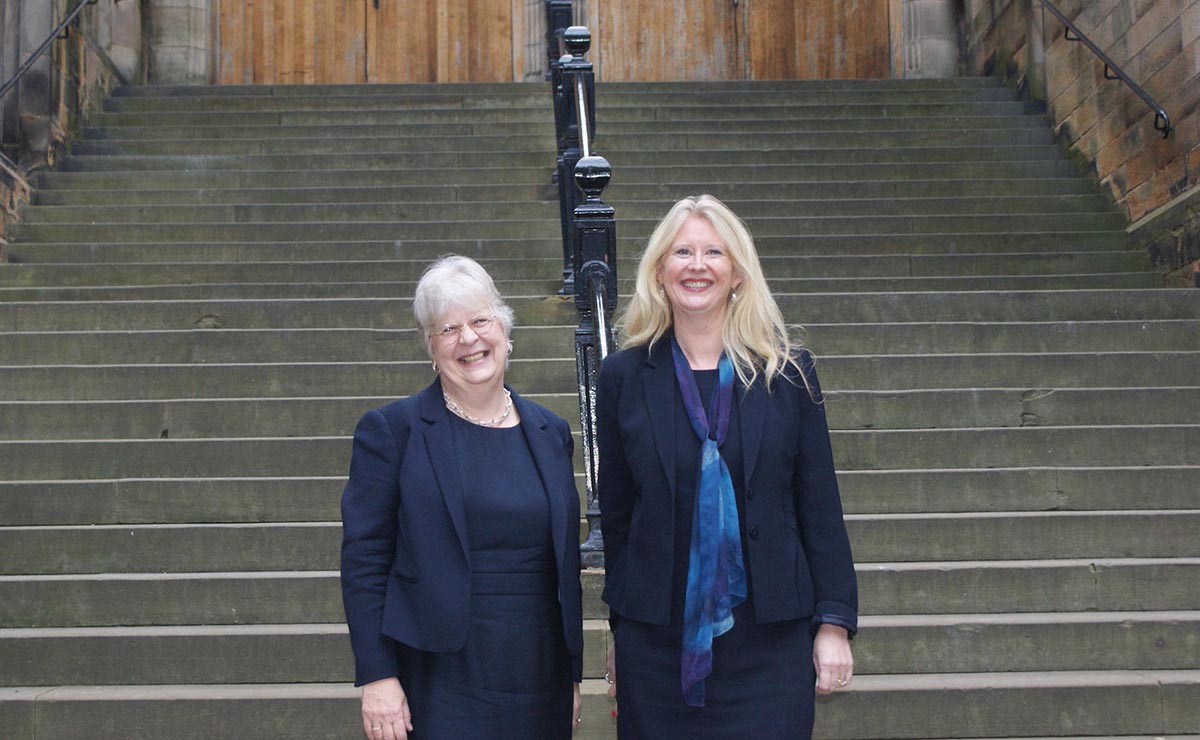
539	310
537	98
865	267
548	286
267	141
321	652
303	597
652	107
875	538
859	117
1056	705
62	191
752	213
207	172
168	90
981	156
187	418
129	500
556	374
1033	126
1011	306
319	230
1151	445
917	246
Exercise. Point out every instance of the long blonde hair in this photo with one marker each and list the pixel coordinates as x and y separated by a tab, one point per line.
754	334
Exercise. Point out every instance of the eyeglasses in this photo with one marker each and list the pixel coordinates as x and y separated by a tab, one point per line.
451	333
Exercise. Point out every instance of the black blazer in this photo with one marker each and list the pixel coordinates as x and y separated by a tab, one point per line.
799	555
405	555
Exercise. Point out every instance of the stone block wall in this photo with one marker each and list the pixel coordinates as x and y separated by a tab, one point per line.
179	32
1157	43
47	106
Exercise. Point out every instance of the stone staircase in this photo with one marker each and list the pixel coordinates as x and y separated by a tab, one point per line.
216	284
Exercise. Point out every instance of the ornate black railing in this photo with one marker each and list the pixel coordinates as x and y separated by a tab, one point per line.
1162	123
589	242
60	31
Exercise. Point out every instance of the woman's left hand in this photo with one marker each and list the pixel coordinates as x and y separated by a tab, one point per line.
832	658
575	719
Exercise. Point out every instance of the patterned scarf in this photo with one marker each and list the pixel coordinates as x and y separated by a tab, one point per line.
716	578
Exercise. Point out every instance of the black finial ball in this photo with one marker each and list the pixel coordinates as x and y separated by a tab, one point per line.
577	39
592	174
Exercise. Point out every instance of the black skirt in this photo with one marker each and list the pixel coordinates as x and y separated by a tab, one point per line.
762	685
511	680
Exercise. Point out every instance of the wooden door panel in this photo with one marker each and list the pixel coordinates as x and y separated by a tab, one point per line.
816	39
346	41
401	41
666	40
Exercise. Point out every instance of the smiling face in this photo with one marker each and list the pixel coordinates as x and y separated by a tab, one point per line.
473	355
697	272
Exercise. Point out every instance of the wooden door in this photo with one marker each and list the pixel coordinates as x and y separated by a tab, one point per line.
667	40
349	41
817	39
290	41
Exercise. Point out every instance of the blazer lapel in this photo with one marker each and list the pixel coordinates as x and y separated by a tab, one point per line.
549	459
439	443
752	411
658	383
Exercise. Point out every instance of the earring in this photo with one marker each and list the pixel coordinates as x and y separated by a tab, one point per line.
510	346
435	367
733	295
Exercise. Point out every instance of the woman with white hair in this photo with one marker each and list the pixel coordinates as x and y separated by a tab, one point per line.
729	577
460	554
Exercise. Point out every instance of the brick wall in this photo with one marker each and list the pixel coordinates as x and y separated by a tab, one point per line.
1157	43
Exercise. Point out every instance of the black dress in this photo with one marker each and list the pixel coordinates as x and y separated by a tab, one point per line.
762	684
512	679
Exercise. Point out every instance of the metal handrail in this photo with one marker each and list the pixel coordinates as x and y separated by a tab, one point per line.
1162	123
589	244
59	32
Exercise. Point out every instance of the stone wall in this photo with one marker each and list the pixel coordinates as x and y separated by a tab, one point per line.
1157	43
47	107
178	33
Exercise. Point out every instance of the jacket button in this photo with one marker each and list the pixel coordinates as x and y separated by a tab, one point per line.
753	533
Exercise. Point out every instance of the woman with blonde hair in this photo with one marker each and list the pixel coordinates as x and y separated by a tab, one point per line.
729	578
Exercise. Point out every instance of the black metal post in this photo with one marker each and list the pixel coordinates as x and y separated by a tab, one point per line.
575	74
594	249
558	20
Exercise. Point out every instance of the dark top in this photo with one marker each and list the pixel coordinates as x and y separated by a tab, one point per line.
508	515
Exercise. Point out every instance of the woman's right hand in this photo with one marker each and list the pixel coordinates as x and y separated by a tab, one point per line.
385	710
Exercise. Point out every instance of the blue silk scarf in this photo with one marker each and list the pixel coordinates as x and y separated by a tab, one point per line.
716	578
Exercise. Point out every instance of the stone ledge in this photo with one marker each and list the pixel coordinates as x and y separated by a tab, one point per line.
1170	234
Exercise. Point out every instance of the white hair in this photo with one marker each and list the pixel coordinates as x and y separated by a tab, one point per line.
454	281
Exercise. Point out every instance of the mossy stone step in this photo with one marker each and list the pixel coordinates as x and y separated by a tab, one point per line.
916	449
315	498
306	597
321	652
180	548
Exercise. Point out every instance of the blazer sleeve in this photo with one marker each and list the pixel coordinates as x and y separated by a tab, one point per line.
819	510
615	480
572	550
369	504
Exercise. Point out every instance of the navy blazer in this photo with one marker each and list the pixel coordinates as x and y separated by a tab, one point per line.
799	555
406	573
